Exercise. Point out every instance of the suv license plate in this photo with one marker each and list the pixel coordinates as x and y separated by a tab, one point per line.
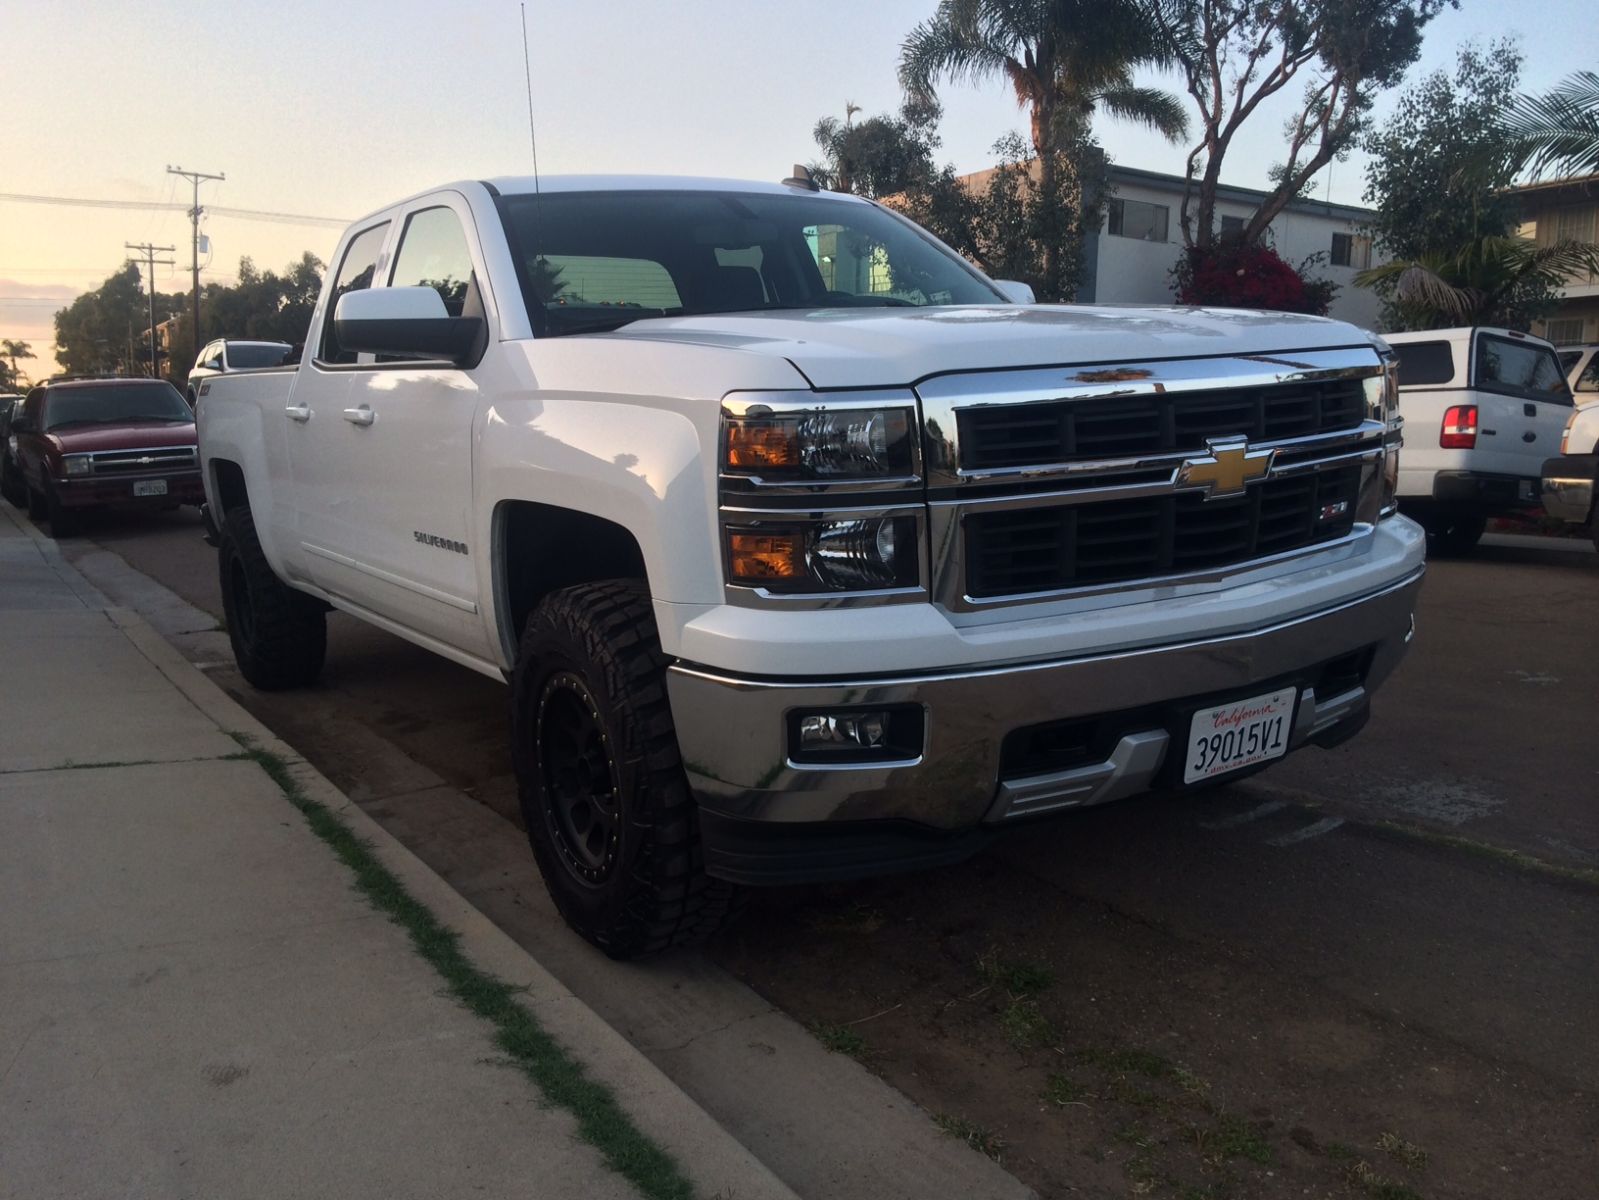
150	487
1239	734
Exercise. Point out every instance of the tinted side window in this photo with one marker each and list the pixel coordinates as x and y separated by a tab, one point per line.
1588	381
1521	368
355	272
433	254
1424	363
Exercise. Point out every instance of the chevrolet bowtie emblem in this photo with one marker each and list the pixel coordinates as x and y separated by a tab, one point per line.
1229	468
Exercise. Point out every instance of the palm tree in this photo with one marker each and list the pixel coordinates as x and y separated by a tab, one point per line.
1559	132
1063	58
833	138
1484	282
14	350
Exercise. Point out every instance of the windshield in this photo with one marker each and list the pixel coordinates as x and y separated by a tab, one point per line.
242	356
600	260
115	404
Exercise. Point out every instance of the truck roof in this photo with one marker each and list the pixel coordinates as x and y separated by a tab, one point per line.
517	185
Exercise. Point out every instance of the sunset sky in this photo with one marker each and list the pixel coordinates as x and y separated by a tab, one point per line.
333	108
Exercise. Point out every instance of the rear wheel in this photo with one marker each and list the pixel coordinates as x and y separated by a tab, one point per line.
1455	534
11	484
279	635
608	808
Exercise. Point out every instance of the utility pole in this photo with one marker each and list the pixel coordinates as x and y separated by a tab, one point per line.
196	178
150	252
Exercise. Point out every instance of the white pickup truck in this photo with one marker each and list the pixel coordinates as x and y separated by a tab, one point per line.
806	551
1482	408
1571	481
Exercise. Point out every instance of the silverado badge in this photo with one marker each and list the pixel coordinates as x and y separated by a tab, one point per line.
1228	470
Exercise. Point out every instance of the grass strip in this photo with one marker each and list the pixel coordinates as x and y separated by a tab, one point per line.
1501	854
601	1121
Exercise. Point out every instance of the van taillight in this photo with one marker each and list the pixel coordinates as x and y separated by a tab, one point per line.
1460	428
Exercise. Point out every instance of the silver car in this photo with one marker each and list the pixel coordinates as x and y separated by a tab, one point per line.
226	356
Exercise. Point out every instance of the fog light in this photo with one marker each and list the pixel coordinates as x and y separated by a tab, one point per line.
843	731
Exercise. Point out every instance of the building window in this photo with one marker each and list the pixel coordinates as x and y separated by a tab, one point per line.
1563	331
1574	225
1136	219
1351	250
1232	228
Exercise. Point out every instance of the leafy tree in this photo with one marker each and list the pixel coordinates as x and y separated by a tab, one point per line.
1491	279
107	329
11	378
1236	54
1064	59
1437	180
1439	166
1559	133
881	156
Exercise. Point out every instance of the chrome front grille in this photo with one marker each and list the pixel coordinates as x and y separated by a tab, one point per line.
153	461
1066	430
1056	483
1028	550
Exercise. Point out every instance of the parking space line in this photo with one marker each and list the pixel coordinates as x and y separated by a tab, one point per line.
1325	825
1254	814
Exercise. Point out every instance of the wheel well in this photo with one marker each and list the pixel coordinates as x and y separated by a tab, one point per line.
230	490
545	548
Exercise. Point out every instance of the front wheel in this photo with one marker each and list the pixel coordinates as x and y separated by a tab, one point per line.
279	635
36	503
63	521
608	809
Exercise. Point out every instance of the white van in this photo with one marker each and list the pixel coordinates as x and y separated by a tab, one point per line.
1483	409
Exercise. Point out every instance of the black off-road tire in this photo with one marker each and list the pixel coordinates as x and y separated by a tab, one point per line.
11	486
279	635
64	523
592	652
1455	535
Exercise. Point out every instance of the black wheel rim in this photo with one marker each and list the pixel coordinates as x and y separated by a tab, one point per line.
581	788
242	618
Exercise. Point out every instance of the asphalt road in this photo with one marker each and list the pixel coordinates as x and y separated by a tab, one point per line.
1397	937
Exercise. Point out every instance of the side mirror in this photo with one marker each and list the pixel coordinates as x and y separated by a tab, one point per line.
1015	291
404	322
21	424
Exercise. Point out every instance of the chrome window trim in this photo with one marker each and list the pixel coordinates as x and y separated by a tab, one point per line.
944	397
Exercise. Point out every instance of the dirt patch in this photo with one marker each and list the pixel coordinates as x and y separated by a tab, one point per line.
1106	1057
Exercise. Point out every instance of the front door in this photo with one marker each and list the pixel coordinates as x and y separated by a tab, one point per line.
395	515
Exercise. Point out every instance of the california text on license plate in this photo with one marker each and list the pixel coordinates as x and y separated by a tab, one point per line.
150	487
1239	734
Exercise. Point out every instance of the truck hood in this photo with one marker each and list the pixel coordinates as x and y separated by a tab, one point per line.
897	347
135	435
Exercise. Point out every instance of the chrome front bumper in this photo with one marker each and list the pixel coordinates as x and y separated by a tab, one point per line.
1568	487
733	731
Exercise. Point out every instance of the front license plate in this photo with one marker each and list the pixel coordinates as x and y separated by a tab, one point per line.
150	487
1239	734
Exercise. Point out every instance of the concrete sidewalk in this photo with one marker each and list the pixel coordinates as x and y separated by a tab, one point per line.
193	999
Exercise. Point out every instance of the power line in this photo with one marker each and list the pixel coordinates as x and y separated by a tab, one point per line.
243	214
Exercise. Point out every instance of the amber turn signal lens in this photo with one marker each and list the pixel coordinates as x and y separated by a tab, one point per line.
752	445
754	557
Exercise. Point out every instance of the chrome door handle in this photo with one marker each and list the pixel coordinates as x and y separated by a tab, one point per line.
360	416
298	412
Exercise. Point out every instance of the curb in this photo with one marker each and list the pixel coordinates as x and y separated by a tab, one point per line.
718	1164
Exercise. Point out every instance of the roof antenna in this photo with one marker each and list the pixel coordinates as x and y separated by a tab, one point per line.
527	71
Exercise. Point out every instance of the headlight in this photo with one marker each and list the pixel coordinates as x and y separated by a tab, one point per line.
77	464
841	554
1382	394
825	444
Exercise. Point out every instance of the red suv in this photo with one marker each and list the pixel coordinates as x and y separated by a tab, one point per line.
86	443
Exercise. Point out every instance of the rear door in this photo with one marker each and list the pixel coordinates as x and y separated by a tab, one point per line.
1523	400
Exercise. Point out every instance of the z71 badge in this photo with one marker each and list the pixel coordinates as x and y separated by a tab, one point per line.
429	539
